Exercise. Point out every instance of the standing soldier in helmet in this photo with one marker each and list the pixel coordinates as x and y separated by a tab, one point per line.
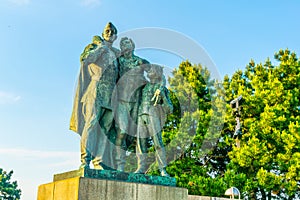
92	115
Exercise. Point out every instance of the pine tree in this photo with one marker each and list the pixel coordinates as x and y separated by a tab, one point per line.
8	190
263	160
267	164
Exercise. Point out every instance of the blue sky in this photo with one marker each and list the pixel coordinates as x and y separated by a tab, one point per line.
40	45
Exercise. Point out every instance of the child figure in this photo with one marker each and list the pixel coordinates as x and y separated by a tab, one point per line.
154	107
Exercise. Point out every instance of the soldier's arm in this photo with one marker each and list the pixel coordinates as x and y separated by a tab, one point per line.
95	54
167	103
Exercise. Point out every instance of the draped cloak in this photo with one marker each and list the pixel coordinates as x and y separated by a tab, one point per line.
105	59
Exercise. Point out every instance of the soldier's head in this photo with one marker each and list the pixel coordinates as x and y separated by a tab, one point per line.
109	33
126	45
155	74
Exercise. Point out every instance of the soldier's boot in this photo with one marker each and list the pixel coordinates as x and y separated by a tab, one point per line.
162	161
163	172
97	161
142	163
85	158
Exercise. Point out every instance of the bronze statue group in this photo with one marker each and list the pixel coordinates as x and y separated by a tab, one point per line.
114	100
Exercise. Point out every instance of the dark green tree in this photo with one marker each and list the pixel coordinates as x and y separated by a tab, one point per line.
8	190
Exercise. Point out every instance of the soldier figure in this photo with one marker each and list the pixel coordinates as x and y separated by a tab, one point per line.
92	115
129	94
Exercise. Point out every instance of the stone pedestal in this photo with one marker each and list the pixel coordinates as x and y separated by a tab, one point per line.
86	188
117	176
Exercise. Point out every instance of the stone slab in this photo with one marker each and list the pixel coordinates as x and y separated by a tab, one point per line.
117	176
81	188
194	197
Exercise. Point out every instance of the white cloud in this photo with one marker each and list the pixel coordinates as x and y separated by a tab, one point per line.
20	2
91	3
34	167
28	153
6	98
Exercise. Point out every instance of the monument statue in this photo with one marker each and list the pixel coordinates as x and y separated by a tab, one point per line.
92	115
129	93
154	107
114	103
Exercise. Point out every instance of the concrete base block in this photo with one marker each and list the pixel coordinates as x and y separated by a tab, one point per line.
81	188
194	197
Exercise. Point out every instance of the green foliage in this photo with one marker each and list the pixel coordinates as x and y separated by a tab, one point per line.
8	189
270	145
267	163
194	177
189	132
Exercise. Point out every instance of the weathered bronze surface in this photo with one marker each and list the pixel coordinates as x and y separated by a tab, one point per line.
114	101
117	176
92	115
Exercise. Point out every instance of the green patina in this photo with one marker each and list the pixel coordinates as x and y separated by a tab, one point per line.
117	176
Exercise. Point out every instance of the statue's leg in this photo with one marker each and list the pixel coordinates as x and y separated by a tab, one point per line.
85	143
141	146
101	141
160	151
110	150
120	152
122	118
